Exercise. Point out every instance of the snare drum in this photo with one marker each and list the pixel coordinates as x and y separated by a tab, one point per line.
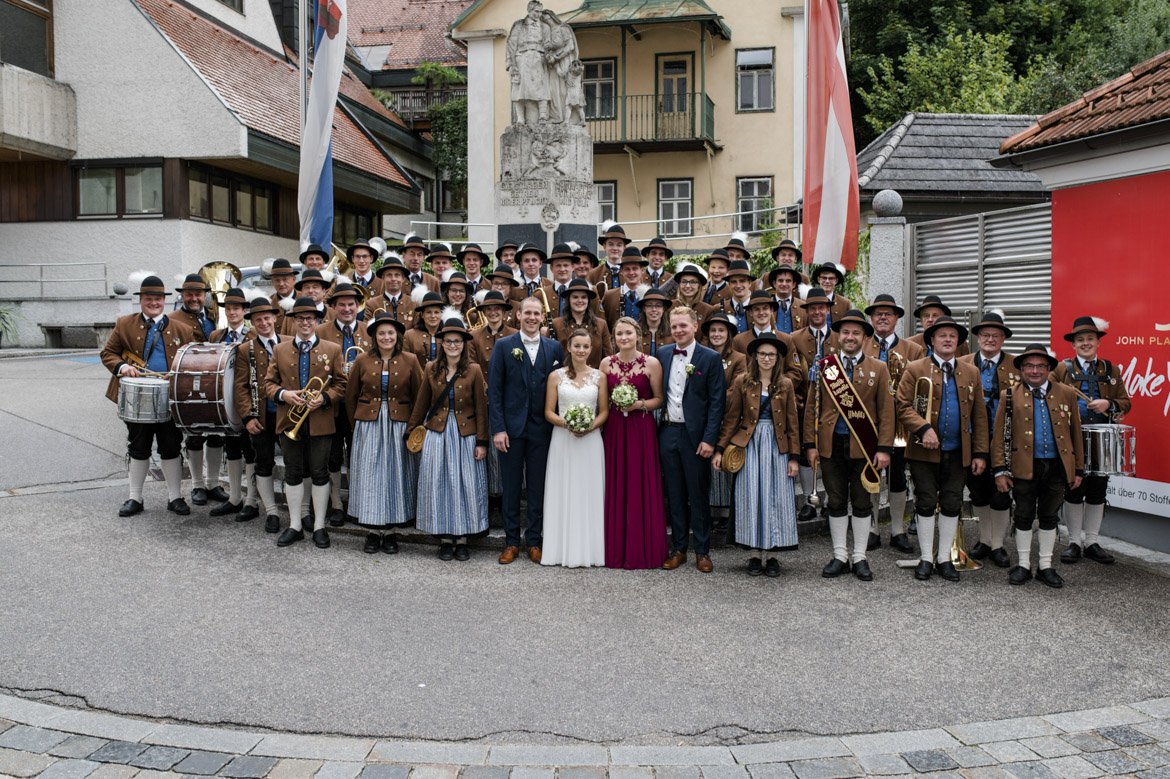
143	400
1110	450
203	389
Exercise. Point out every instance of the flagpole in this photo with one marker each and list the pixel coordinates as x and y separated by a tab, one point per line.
303	58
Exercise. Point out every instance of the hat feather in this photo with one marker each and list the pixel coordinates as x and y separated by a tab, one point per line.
641	290
1101	324
700	271
803	289
574	246
999	313
607	225
418	293
739	235
328	276
480	297
288	303
447	274
450	312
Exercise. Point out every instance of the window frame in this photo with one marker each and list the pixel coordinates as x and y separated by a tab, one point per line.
690	201
741	69
596	188
235	5
43	9
612	81
343	213
234	183
119	168
739	198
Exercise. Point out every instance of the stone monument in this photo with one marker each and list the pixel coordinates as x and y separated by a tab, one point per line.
545	194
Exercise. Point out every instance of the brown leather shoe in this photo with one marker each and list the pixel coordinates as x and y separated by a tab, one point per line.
675	560
509	554
703	563
534	554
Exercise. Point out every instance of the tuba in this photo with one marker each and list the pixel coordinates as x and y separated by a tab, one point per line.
220	276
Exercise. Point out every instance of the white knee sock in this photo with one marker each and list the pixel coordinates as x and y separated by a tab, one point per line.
335	489
250	495
214	460
1074	517
839	532
267	494
860	527
320	495
173	475
195	460
947	528
1047	542
294	495
808	484
897	513
1024	548
999	526
926	538
137	476
235	470
983	514
1094	515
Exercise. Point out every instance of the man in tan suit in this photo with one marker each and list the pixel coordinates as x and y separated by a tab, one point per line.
253	407
1038	458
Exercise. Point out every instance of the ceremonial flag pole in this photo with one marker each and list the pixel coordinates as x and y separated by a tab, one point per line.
315	182
831	198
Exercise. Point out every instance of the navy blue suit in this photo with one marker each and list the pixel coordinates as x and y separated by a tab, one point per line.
688	481
516	390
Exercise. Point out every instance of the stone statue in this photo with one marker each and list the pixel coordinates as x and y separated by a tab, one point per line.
541	53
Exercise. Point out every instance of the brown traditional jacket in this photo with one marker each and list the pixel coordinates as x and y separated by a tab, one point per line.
483	342
742	414
1110	384
185	317
429	281
599	337
280	312
129	335
973	424
663	277
363	391
612	305
331	331
733	365
600	275
418	342
404	313
799	315
701	309
802	353
716	299
662	338
517	294
908	349
871	379
1066	430
471	415
1006	375
217	336
374	288
740	342
243	394
325	362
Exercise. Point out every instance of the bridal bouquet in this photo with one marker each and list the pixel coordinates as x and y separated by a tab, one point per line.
578	417
623	396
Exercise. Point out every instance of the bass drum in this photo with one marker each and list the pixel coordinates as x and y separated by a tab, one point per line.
203	389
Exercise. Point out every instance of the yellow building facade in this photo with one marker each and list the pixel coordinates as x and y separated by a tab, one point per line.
696	111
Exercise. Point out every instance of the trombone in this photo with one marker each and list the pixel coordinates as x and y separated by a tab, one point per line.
298	414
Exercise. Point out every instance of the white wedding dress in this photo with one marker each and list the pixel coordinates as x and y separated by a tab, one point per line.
574	484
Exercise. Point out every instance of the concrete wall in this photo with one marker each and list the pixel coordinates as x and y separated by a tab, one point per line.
37	115
136	95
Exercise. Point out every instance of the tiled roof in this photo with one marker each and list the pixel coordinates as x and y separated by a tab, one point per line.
606	13
944	153
415	31
1138	97
261	88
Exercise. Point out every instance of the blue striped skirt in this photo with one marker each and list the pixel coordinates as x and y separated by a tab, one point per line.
452	485
765	498
721	482
383	476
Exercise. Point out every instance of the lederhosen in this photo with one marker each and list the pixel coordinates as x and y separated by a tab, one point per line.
982	487
264	443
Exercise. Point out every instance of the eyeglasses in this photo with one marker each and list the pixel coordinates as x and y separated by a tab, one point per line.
766	355
452	342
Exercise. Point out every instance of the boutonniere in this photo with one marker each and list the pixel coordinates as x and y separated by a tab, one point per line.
517	353
175	341
690	369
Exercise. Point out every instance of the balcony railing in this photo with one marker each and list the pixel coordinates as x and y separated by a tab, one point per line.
653	122
414	105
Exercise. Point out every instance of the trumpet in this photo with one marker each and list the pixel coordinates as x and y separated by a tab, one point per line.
544	302
348	362
924	404
299	414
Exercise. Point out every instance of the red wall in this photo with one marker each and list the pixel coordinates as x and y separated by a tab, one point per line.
1110	242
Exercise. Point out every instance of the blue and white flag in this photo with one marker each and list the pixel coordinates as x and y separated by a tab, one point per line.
315	184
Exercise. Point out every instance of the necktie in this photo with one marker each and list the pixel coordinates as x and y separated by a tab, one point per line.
988	366
415	278
347	331
654	279
531	288
394	306
1091	367
269	345
784	306
946	371
849	363
883	350
1038	393
306	346
152	338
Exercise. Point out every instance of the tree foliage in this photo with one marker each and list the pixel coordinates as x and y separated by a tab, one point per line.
449	128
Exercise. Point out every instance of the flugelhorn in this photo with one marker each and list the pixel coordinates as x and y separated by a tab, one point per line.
924	404
298	414
348	362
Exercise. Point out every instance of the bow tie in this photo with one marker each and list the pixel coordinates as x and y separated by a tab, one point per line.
530	341
683	352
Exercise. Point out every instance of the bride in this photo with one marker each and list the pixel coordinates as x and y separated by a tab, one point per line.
574	488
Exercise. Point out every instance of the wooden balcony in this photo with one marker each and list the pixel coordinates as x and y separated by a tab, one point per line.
414	105
652	123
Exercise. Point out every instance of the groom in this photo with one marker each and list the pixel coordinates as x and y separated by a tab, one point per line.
695	390
517	375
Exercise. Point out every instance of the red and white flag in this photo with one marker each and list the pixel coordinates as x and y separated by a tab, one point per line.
831	200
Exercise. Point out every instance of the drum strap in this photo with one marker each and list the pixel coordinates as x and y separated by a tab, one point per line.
442	399
154	338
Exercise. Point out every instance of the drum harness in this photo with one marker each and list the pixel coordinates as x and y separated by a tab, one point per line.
1075	373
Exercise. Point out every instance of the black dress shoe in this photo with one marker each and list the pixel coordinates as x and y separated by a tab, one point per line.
390	543
807	512
247	513
1000	558
1050	577
947	571
755	566
218	494
861	571
901	542
1071	555
772	568
225	509
980	551
912	528
446	551
199	496
924	570
130	508
272	524
875	542
179	506
290	536
335	517
321	538
835	568
462	553
1095	553
373	543
1019	575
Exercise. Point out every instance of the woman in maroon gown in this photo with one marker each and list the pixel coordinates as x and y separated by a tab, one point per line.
635	518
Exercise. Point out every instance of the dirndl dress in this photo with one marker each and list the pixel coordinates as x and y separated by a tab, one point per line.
383	476
452	482
765	498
